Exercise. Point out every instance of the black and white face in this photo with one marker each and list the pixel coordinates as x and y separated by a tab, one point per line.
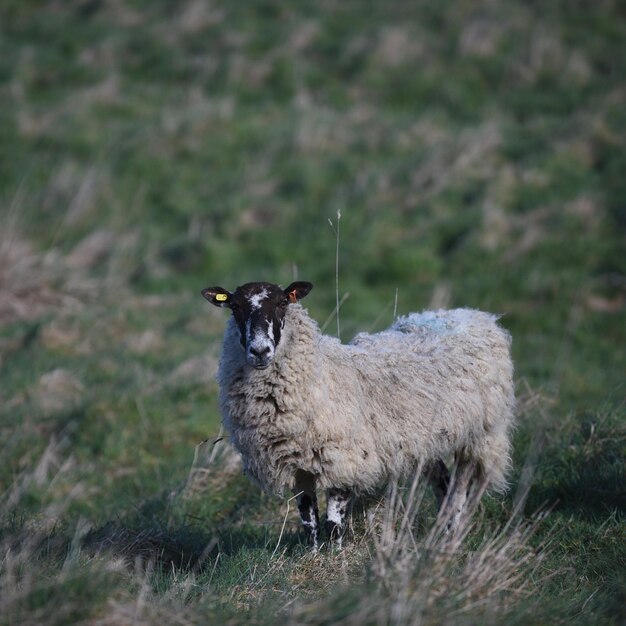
259	312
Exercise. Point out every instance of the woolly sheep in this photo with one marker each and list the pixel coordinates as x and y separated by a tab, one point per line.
306	411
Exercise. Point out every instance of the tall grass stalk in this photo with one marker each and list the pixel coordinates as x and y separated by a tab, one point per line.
395	306
334	312
336	230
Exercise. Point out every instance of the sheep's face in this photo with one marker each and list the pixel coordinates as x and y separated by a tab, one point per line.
259	312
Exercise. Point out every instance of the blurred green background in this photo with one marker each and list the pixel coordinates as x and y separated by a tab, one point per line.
475	150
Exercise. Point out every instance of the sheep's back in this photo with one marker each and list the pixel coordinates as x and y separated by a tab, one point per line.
464	336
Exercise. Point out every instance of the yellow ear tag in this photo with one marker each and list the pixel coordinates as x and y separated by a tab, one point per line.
221	297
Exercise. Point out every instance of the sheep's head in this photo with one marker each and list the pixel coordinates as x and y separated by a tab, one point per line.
259	311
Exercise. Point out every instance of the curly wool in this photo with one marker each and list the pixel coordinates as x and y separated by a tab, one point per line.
357	415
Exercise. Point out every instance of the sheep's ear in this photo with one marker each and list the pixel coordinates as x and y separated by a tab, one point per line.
298	290
218	296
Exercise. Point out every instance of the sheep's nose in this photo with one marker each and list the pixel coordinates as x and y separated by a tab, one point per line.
260	353
259	357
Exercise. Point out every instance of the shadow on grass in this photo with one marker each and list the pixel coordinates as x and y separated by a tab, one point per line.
587	494
184	548
586	478
187	548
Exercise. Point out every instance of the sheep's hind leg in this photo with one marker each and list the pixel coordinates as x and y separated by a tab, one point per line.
439	478
465	484
338	507
366	507
308	509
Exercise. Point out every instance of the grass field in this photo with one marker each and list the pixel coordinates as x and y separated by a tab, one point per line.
477	154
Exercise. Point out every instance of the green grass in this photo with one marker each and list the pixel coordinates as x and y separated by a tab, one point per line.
148	149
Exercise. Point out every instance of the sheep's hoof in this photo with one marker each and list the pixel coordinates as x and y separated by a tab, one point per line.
314	544
313	539
335	534
337	545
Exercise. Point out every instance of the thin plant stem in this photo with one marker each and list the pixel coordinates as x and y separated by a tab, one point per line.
329	319
395	306
282	530
336	268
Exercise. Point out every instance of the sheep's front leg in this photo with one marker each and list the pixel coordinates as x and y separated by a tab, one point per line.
307	506
337	510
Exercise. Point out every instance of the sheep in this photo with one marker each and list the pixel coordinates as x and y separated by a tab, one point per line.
307	412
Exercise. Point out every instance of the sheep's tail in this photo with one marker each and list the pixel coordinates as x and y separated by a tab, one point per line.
494	457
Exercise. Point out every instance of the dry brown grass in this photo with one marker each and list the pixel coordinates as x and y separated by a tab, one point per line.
28	280
436	578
